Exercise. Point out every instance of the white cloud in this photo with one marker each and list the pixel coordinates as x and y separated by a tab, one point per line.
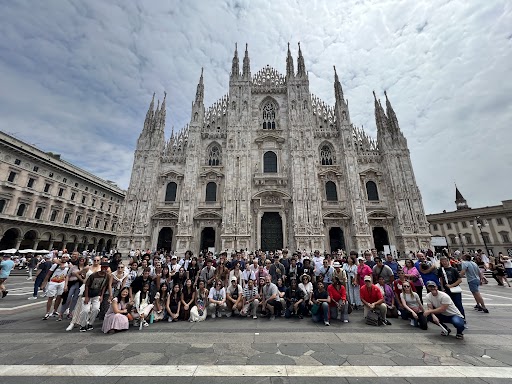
77	77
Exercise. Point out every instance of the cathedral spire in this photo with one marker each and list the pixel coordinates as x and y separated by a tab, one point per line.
246	65
149	114
338	90
391	114
290	72
235	66
162	112
380	116
301	67
460	201
200	90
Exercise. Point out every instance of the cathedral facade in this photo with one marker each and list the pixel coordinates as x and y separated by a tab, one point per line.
270	165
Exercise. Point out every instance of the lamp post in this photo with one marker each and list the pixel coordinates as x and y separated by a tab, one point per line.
480	223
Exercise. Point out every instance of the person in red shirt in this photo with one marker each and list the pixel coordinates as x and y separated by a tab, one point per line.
338	303
372	299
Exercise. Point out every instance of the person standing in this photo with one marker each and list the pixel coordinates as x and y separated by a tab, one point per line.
472	273
95	287
450	282
58	284
6	266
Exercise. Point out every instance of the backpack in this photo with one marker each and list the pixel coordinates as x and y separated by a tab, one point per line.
373	318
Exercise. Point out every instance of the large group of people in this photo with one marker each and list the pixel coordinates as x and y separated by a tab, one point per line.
153	287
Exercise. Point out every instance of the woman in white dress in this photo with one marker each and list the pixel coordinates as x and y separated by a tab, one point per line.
350	268
198	311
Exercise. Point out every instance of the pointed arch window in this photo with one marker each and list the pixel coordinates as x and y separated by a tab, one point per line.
170	191
269	162
269	116
331	192
371	191
214	158
326	155
2	205
211	191
39	213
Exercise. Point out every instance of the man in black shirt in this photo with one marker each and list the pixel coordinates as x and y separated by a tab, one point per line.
139	282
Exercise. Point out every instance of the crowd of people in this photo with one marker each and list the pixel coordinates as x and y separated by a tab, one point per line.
152	287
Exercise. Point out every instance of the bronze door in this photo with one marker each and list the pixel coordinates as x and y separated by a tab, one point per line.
271	231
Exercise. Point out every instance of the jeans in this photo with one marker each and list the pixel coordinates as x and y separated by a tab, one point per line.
276	307
509	272
456	321
72	298
322	314
457	300
37	284
343	312
89	311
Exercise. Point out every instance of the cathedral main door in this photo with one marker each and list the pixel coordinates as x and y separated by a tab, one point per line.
271	231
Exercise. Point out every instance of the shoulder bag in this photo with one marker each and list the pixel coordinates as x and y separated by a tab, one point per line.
456	289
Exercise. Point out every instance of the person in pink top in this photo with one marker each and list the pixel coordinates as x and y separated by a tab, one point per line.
362	271
413	275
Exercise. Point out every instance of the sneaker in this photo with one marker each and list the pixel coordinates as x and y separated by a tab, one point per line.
326	323
55	314
4	293
477	307
412	323
29	278
485	310
90	327
228	314
255	317
272	317
345	321
70	327
480	309
301	317
46	316
82	329
213	315
32	298
217	314
59	318
145	324
444	331
169	320
43	295
459	336
387	322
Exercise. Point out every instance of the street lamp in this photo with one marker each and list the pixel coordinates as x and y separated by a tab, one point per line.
480	223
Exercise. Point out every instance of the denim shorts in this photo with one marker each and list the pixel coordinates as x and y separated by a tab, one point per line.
474	286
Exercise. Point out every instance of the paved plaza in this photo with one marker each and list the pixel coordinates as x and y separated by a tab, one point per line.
245	350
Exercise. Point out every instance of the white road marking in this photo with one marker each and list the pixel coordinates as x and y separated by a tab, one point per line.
12	309
252	371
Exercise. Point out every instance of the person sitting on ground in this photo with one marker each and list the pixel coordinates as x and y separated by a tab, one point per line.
373	300
160	302
320	304
188	296
234	297
398	289
442	310
198	311
389	297
294	297
250	299
217	300
270	299
338	305
142	306
117	316
412	307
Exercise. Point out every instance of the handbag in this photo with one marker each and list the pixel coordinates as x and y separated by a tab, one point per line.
456	289
373	318
314	309
350	308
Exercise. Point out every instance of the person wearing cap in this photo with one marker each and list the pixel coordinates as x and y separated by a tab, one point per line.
234	297
95	287
339	272
363	270
6	266
442	310
372	299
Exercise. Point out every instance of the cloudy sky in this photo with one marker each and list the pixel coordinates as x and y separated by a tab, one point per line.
77	76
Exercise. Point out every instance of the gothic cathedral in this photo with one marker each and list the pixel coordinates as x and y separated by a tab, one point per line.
270	165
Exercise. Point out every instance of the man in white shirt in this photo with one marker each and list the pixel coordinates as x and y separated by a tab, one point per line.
442	310
217	300
234	297
318	262
270	298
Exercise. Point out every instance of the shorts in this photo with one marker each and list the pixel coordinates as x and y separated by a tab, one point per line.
474	286
55	289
